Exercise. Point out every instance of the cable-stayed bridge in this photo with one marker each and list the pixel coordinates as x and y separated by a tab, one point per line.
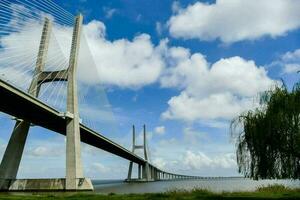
29	83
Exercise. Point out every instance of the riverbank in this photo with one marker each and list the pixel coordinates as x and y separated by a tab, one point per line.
270	192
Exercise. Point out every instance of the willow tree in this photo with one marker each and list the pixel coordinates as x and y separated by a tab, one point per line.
268	138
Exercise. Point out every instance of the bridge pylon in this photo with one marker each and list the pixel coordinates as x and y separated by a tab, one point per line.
13	154
144	171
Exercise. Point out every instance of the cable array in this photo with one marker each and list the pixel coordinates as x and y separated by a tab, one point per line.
92	94
21	26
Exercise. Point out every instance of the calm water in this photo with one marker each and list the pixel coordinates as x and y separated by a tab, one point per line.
216	185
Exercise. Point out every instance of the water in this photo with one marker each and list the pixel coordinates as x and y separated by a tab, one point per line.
216	185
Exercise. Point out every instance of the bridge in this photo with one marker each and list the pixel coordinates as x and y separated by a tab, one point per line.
28	109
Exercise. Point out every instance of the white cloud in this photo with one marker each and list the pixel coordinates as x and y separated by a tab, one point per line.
235	20
159	162
100	168
139	17
292	56
124	63
158	28
198	160
175	6
291	68
215	106
160	130
289	62
109	12
194	137
211	91
182	154
40	151
286	64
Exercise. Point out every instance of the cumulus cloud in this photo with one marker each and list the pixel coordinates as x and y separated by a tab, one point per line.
193	136
124	63
40	151
235	20
289	62
159	28
175	6
182	155
100	168
198	160
160	130
109	12
211	91
215	106
160	163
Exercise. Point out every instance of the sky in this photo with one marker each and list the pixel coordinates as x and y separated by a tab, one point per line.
185	68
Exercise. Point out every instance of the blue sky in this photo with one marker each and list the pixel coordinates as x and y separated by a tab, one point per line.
185	68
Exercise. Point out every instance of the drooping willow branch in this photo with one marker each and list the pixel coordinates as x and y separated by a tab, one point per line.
269	144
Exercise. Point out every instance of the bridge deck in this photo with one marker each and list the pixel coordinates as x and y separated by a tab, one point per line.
15	102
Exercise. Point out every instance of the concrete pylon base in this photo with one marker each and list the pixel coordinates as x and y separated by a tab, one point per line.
59	184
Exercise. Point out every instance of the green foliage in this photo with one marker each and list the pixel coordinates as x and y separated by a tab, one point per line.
269	144
276	188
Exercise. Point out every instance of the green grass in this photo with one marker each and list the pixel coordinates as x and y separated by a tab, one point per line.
269	192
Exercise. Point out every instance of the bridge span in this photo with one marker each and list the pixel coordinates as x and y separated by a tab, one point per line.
28	110
23	106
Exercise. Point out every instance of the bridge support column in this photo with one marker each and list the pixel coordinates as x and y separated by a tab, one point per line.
74	171
147	168
129	171
13	154
139	172
151	173
146	172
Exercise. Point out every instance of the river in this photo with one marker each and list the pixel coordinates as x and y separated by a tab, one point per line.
216	185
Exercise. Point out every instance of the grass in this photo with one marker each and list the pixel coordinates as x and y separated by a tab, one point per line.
269	192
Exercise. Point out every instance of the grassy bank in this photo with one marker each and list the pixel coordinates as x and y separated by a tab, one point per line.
270	192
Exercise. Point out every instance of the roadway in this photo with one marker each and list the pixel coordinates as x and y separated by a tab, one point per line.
21	105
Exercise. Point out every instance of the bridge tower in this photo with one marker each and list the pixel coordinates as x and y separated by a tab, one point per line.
144	173
12	157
